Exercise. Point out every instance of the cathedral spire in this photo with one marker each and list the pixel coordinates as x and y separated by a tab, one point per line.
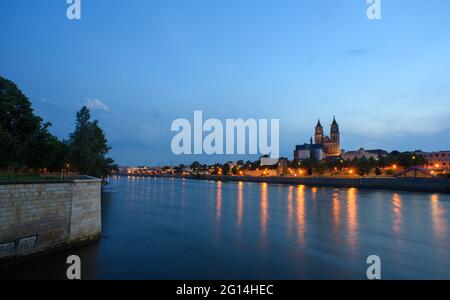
318	134
334	122
318	124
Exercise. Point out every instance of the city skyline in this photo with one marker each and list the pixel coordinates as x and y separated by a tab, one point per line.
386	80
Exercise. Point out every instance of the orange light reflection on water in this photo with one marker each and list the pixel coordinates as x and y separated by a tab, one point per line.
301	214
352	216
218	201
290	207
440	226
264	207
240	206
336	209
397	213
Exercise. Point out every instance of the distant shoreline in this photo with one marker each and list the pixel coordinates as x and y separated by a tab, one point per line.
429	185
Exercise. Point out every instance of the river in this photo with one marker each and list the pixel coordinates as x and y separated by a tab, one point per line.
170	228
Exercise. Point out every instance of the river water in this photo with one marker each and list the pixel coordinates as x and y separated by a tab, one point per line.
166	228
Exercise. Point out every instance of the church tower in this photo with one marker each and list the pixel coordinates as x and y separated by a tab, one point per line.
318	135
335	138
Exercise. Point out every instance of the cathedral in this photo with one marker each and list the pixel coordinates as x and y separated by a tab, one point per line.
331	144
324	146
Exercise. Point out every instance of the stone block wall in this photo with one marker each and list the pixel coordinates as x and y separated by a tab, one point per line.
40	216
85	219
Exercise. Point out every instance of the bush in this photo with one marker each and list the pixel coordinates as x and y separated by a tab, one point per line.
390	172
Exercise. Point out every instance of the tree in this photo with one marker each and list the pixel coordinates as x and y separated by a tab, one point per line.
25	139
409	159
402	159
311	166
195	166
47	151
18	124
89	147
234	170
319	167
378	171
226	169
363	165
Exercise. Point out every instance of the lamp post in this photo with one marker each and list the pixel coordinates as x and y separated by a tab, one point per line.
350	173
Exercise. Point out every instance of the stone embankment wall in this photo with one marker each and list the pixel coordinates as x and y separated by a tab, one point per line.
42	216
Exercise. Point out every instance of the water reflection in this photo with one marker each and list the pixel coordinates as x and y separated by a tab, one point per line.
240	206
352	217
264	209
183	191
336	210
439	220
172	192
218	201
290	208
131	183
301	214
314	199
397	213
149	187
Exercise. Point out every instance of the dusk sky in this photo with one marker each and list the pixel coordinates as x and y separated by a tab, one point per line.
141	64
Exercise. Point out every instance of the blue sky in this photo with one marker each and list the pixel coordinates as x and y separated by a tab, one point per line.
141	64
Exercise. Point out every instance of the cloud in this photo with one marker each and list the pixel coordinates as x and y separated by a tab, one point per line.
96	104
357	52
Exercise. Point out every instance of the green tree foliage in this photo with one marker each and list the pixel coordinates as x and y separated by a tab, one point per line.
363	165
47	152
234	170
402	159
195	166
89	147
226	169
318	167
25	139
409	159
